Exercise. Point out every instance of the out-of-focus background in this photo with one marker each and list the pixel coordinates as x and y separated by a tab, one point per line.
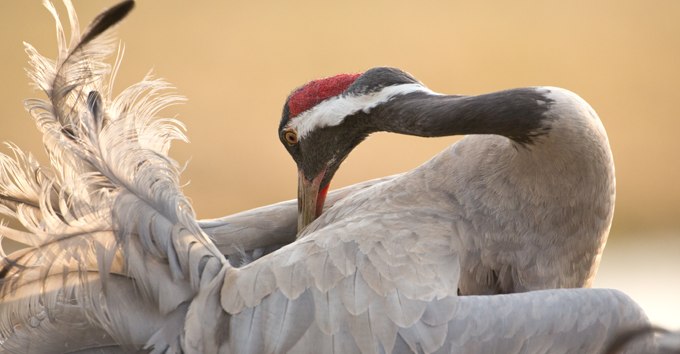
236	61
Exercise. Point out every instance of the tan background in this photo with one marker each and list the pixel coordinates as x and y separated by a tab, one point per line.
237	60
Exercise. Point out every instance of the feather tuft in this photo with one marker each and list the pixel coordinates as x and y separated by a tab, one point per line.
109	204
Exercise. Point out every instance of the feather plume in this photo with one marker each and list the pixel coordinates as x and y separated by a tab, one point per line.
110	200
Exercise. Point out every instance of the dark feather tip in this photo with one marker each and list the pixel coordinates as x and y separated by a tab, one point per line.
9	265
107	19
68	132
625	338
94	103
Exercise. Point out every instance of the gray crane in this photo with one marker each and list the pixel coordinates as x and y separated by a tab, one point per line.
119	263
528	199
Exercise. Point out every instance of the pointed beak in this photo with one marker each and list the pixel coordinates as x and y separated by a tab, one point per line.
310	198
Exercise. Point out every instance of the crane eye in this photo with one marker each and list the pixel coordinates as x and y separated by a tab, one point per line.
291	137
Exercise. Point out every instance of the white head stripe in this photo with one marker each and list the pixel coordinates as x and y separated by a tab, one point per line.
333	111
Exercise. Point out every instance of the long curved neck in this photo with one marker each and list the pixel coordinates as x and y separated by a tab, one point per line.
518	114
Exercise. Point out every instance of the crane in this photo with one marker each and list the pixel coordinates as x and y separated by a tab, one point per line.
118	261
529	195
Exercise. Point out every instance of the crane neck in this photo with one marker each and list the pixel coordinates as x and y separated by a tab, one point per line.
518	114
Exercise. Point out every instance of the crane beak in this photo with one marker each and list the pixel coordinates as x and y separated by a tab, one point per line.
310	199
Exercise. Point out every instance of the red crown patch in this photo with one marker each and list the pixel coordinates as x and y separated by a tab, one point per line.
316	91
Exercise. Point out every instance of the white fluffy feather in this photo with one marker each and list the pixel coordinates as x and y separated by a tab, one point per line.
109	202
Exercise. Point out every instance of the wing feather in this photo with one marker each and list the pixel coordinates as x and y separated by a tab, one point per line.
325	274
110	201
383	328
58	307
376	303
356	295
347	310
270	225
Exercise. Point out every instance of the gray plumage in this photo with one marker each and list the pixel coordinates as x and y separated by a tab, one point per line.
119	263
528	200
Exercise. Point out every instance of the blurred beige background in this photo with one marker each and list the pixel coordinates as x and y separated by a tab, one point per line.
236	61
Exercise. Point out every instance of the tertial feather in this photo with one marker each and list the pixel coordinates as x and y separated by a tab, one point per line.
110	201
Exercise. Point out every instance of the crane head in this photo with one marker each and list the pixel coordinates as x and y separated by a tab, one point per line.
323	120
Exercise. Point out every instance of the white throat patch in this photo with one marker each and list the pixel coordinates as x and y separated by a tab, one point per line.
333	111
